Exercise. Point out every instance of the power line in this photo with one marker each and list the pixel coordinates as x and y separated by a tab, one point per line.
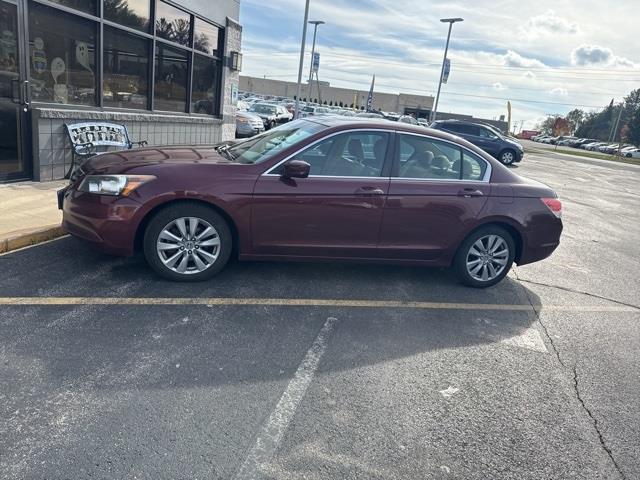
489	97
494	70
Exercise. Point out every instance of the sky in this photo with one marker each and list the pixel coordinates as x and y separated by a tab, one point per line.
547	57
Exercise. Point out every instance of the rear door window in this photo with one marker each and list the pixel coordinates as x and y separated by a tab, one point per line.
473	167
427	158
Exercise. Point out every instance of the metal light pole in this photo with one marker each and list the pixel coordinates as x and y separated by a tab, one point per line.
304	37
450	21
315	23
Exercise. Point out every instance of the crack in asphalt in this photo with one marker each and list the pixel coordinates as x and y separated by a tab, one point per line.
596	426
574	368
580	292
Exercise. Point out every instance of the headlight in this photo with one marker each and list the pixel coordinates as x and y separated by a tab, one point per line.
113	184
242	120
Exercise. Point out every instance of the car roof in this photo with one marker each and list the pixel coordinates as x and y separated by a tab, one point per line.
349	123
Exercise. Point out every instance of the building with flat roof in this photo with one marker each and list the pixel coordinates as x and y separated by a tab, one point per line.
388	102
409	104
167	69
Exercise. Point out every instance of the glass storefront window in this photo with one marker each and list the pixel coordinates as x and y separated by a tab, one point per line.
126	70
173	24
205	37
62	56
171	75
86	6
130	13
204	85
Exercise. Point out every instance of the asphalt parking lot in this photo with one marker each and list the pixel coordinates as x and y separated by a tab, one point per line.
320	371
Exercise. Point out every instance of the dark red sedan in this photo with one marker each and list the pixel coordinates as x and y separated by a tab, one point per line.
321	189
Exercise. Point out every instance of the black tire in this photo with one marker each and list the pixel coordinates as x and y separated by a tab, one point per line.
507	157
271	125
460	261
187	209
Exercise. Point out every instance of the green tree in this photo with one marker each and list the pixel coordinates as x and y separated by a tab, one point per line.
634	128
546	126
575	118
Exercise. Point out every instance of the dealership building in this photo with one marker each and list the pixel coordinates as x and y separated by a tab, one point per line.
166	69
408	104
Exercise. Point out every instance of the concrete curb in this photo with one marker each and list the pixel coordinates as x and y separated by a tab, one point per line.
32	237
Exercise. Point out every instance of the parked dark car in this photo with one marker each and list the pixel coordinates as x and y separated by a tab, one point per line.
487	138
267	112
330	188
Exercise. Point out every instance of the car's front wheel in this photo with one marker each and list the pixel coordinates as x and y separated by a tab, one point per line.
507	157
485	257
187	242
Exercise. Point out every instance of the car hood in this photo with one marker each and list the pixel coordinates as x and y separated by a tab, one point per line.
518	145
264	115
122	161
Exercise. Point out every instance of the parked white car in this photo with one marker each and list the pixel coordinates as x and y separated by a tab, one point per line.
633	153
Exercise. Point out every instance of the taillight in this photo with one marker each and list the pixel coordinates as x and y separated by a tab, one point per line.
554	205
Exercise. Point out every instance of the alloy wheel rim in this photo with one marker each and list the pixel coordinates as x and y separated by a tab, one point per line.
487	258
507	157
188	245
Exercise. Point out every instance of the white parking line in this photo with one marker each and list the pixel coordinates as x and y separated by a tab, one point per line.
272	431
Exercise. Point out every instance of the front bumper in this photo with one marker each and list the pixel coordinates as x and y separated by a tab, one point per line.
108	223
248	130
519	155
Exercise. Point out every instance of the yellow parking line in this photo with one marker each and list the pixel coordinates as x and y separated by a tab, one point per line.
307	302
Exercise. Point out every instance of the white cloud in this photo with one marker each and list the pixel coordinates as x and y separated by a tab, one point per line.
514	59
499	86
559	91
585	55
548	23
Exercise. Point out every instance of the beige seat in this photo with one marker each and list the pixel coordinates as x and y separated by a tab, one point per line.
418	165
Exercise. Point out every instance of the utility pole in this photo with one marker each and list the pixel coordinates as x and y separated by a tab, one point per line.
304	37
450	21
614	131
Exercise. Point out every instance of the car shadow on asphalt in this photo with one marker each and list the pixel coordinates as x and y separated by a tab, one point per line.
121	345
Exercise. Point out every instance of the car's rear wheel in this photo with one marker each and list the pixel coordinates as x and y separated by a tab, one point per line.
187	242
485	257
271	125
507	157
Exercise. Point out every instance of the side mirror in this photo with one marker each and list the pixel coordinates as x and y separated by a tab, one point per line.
296	169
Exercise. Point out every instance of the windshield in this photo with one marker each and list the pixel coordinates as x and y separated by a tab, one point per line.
262	108
264	146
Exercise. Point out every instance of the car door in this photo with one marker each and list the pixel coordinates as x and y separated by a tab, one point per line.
489	141
337	210
436	192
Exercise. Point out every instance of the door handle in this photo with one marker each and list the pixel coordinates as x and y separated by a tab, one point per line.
369	191
470	192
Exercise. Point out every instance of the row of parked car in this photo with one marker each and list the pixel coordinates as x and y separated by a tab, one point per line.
590	144
257	114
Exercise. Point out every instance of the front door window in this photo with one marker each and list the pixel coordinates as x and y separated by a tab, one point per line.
353	154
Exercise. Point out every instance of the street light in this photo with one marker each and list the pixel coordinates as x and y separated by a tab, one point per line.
315	23
304	37
450	21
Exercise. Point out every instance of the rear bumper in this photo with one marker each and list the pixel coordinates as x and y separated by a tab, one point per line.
107	223
541	242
